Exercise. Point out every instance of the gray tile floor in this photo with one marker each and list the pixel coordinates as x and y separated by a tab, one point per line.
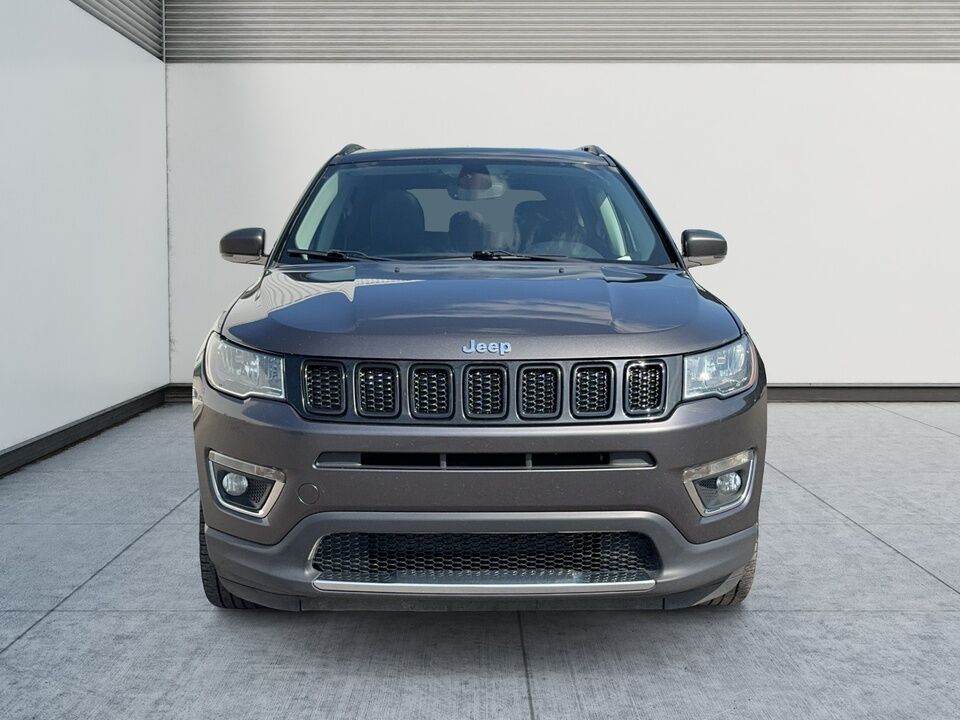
855	613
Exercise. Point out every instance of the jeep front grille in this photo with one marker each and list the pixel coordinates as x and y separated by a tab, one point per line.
378	390
486	392
645	388
592	390
431	392
539	392
323	387
498	558
507	392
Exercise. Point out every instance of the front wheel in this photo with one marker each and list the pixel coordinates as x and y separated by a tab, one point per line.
216	593
741	589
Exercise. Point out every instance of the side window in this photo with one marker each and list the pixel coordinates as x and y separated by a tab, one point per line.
316	212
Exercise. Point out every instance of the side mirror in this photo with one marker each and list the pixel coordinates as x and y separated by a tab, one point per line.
244	246
703	247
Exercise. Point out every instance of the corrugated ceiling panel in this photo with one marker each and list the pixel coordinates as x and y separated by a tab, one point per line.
139	20
562	30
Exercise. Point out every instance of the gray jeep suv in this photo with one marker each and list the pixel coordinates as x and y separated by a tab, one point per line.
477	374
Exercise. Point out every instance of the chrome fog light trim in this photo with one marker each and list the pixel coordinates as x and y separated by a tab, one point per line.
217	460
743	464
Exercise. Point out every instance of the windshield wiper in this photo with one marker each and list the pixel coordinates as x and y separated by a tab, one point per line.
333	255
507	255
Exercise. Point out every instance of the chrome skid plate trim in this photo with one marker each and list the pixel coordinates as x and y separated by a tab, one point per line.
484	588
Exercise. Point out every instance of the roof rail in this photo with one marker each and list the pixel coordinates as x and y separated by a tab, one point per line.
350	148
595	149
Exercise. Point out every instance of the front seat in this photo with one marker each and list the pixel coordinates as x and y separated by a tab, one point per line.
396	224
527	217
550	227
467	232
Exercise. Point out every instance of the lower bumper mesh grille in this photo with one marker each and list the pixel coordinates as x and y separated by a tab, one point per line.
464	558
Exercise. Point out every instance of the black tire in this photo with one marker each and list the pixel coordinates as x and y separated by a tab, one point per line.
216	593
739	593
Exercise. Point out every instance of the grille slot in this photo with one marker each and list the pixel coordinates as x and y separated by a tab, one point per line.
378	390
431	392
644	394
485	392
324	389
398	460
466	461
584	557
569	459
592	390
539	392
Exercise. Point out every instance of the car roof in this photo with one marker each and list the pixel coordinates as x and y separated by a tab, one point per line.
488	154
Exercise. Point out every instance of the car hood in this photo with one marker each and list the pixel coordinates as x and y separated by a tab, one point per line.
430	310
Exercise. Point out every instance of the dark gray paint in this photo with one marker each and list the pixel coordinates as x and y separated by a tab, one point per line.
266	559
702	247
244	246
427	311
271	433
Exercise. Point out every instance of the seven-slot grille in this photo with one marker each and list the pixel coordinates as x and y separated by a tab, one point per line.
583	557
645	388
592	390
485	393
378	390
323	388
539	392
513	392
431	392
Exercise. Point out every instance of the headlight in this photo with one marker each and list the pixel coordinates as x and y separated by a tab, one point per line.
720	372
241	372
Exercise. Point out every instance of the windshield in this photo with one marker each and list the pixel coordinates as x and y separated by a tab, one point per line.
422	210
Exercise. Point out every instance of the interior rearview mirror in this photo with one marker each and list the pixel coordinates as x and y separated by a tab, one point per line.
703	247
244	246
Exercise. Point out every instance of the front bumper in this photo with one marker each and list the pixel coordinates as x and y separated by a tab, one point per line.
281	575
267	559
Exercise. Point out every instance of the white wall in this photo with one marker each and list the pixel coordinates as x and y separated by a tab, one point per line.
836	185
83	293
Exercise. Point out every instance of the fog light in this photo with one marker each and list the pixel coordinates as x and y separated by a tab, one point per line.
234	484
728	483
722	484
242	486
